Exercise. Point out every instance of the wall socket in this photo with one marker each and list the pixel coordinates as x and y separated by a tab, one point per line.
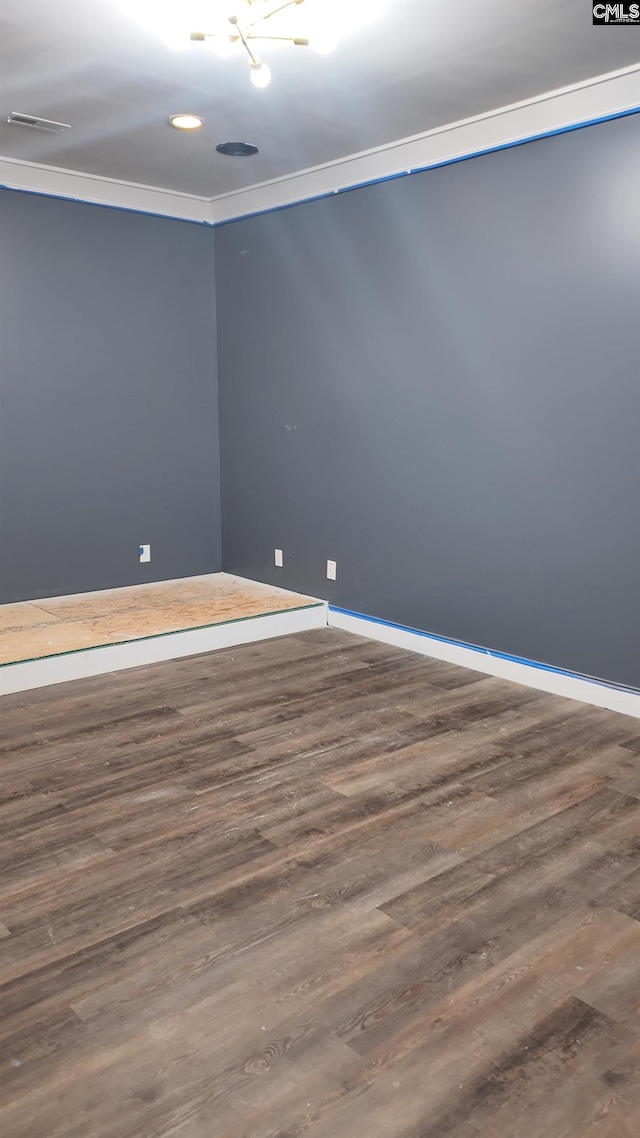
277	558
331	570
145	553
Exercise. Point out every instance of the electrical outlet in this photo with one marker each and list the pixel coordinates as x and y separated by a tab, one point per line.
277	557
145	553
331	570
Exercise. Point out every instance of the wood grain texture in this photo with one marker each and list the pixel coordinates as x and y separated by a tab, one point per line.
34	629
317	888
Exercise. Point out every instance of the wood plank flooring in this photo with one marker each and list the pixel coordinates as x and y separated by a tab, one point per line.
32	630
317	888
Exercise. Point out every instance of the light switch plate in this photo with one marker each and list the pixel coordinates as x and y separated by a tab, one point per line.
145	553
331	570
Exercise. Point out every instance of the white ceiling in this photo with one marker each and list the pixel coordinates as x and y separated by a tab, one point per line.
422	64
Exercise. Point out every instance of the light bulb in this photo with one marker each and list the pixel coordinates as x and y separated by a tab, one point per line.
186	122
260	75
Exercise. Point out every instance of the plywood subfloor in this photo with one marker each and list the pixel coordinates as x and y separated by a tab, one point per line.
317	888
35	629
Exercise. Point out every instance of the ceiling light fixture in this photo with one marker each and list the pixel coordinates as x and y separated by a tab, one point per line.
238	25
185	122
260	74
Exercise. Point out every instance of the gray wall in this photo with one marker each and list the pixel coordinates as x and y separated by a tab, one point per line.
108	398
436	382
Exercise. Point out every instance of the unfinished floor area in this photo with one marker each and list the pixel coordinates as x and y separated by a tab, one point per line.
32	630
317	887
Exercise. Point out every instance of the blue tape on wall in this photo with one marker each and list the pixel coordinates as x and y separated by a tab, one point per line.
493	654
343	189
107	205
435	165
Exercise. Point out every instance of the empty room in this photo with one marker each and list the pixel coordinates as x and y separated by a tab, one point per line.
319	569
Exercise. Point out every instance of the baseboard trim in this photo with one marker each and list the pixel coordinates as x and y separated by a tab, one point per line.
543	677
29	674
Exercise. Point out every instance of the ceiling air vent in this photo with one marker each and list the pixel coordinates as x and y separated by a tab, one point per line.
237	149
34	123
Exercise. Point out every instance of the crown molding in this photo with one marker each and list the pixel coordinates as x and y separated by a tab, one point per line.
52	181
605	96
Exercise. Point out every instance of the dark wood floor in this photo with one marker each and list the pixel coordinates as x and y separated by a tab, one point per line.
317	888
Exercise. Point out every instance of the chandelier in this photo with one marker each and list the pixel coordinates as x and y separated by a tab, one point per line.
246	25
252	26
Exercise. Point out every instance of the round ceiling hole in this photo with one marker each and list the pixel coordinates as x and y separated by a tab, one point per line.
236	149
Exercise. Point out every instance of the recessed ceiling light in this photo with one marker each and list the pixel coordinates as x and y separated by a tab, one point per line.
185	122
236	149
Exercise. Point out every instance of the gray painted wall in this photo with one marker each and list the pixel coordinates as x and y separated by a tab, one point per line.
436	382
108	398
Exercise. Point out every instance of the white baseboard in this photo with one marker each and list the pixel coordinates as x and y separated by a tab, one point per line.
28	674
79	665
543	678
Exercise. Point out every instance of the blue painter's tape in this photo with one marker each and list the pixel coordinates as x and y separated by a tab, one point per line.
490	652
343	189
433	165
107	205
